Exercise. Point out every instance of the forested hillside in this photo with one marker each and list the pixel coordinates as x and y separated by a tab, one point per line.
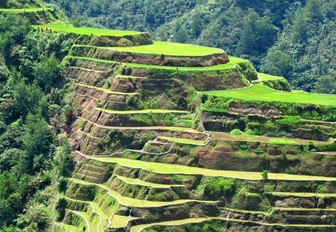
34	119
294	38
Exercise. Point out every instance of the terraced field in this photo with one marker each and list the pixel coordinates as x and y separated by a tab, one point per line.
87	30
263	93
155	151
170	48
229	65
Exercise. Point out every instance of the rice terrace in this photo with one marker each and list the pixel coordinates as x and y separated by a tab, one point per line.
151	135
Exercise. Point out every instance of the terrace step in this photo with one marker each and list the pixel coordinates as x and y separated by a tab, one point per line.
183	140
134	181
85	218
118	221
222	136
139	228
157	146
94	209
147	111
108	91
158	53
229	65
137	203
130	77
304	194
164	168
65	227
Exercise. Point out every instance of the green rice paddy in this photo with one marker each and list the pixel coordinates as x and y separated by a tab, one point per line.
87	30
163	168
229	65
148	111
170	48
186	141
263	93
268	77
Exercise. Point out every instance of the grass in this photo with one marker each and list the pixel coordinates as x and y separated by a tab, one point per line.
22	10
186	141
120	221
268	77
142	183
170	48
132	202
266	94
66	227
129	77
105	90
304	194
163	168
87	30
139	228
148	111
283	141
229	65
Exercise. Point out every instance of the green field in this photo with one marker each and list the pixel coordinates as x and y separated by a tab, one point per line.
22	10
229	65
105	90
268	77
185	141
170	48
263	93
149	111
87	30
164	168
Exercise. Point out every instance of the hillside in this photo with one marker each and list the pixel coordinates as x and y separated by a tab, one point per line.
181	136
130	133
290	38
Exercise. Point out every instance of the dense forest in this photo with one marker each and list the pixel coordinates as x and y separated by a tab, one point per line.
293	38
34	119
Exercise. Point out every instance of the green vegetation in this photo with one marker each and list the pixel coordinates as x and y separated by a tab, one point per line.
22	10
180	169
107	90
142	183
262	93
268	77
283	141
33	147
86	30
147	111
185	141
132	202
284	38
120	221
229	65
170	48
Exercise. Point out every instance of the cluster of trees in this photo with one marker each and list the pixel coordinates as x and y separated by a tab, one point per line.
34	116
293	38
19	3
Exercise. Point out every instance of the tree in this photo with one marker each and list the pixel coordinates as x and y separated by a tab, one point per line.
264	174
327	83
37	141
277	63
46	72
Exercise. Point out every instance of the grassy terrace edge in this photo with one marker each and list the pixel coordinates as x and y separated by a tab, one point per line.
229	65
166	48
87	30
164	168
265	94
